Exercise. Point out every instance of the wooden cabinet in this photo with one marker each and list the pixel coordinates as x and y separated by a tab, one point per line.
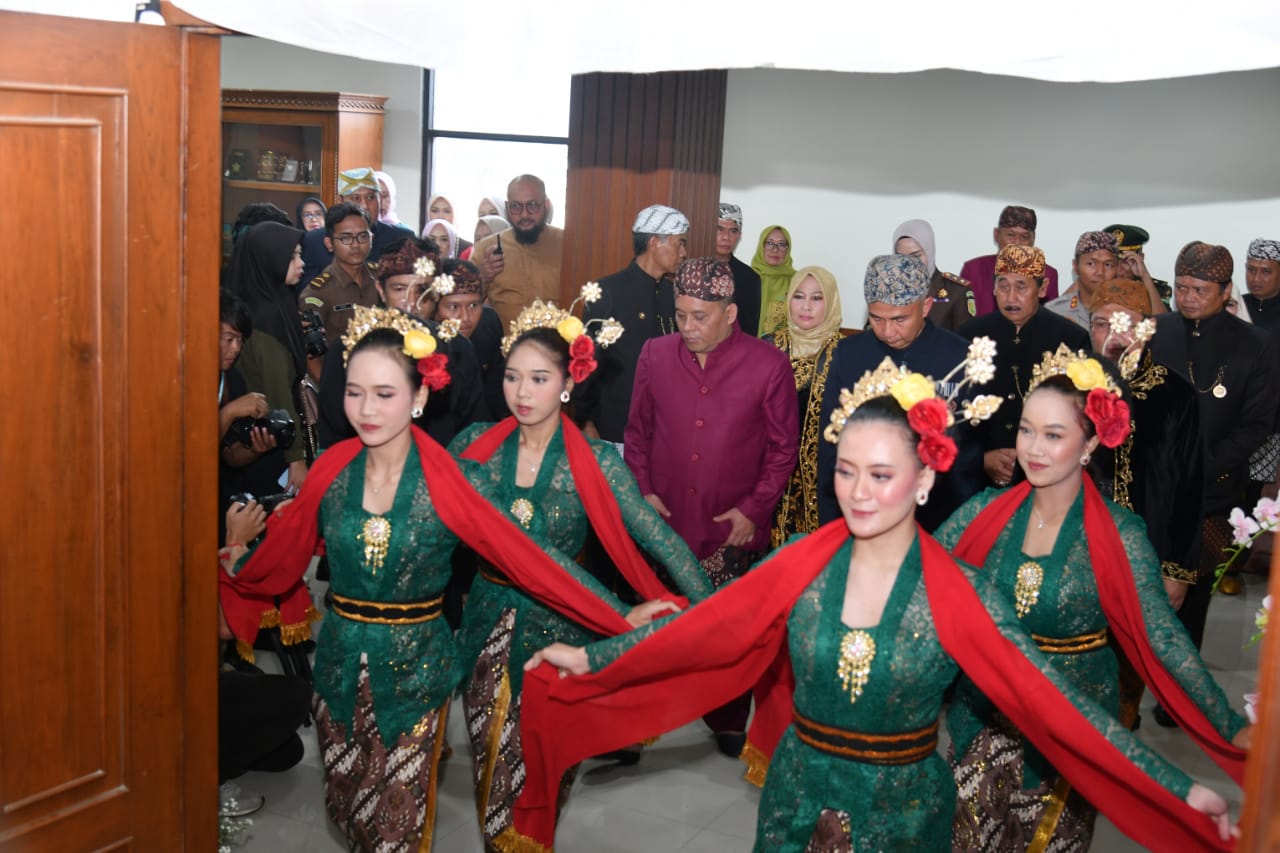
284	146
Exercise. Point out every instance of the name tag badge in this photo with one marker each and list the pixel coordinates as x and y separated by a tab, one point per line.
344	307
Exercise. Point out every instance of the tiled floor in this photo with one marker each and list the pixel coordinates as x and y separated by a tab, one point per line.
684	795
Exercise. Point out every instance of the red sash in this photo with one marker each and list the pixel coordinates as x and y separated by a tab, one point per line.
1118	595
597	499
276	566
726	644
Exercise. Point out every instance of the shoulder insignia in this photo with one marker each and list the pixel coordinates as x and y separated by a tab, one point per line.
970	304
322	279
955	278
314	300
1075	302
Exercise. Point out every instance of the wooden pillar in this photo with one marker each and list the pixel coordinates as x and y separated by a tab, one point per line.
637	140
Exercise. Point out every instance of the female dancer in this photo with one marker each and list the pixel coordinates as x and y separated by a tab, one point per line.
1081	576
809	338
876	617
555	483
390	506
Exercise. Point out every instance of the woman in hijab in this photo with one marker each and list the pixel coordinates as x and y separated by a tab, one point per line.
485	226
442	233
387	200
310	213
266	262
772	262
439	207
953	304
493	205
809	338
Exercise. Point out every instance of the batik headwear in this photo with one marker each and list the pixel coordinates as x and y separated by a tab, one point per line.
391	217
661	220
1205	262
731	212
1264	250
1096	241
922	232
465	276
409	259
1129	238
1104	402
357	179
704	278
1016	216
895	280
806	343
928	412
1021	260
1125	292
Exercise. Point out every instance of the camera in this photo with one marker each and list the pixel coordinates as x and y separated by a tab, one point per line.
313	337
277	423
267	502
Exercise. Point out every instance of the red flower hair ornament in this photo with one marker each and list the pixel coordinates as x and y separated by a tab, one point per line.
434	370
929	419
1110	416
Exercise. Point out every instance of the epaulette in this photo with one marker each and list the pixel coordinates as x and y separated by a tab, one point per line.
322	279
955	278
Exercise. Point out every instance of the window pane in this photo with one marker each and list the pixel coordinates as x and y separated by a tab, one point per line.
540	106
467	170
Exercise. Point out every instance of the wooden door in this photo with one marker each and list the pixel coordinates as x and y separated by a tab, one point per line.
108	329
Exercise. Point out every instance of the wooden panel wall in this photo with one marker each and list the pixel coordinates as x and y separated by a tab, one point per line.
637	140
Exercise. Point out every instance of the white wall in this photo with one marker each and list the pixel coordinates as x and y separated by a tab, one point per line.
253	63
842	159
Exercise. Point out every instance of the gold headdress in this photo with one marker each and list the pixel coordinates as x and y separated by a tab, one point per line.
419	343
545	315
1084	371
910	388
1104	401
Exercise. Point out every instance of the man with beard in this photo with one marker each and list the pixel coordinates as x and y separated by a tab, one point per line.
746	281
1094	263
525	266
1023	334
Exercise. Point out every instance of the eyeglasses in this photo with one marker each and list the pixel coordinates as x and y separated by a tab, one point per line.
313	214
776	245
347	239
520	207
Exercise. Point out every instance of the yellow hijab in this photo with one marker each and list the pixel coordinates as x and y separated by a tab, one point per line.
805	344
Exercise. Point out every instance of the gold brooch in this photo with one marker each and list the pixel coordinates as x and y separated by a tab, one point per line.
522	509
375	535
857	650
1026	592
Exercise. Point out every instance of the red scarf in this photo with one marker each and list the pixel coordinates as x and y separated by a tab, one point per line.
597	499
1118	595
725	645
276	566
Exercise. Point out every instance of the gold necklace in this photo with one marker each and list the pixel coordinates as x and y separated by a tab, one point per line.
857	650
377	489
1217	389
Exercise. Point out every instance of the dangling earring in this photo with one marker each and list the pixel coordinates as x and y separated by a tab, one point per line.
1084	460
417	412
564	396
922	497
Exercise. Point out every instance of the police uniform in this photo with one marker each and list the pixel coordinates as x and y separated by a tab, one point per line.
1131	238
953	301
334	294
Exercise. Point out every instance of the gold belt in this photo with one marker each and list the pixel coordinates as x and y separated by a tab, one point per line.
900	748
386	612
1071	645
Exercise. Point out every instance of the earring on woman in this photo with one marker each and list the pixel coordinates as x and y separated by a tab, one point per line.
922	497
564	396
1084	460
417	412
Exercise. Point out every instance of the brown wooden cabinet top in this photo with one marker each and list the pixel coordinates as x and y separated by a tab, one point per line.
317	101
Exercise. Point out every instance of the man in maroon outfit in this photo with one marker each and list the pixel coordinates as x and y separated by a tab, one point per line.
1016	226
712	437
